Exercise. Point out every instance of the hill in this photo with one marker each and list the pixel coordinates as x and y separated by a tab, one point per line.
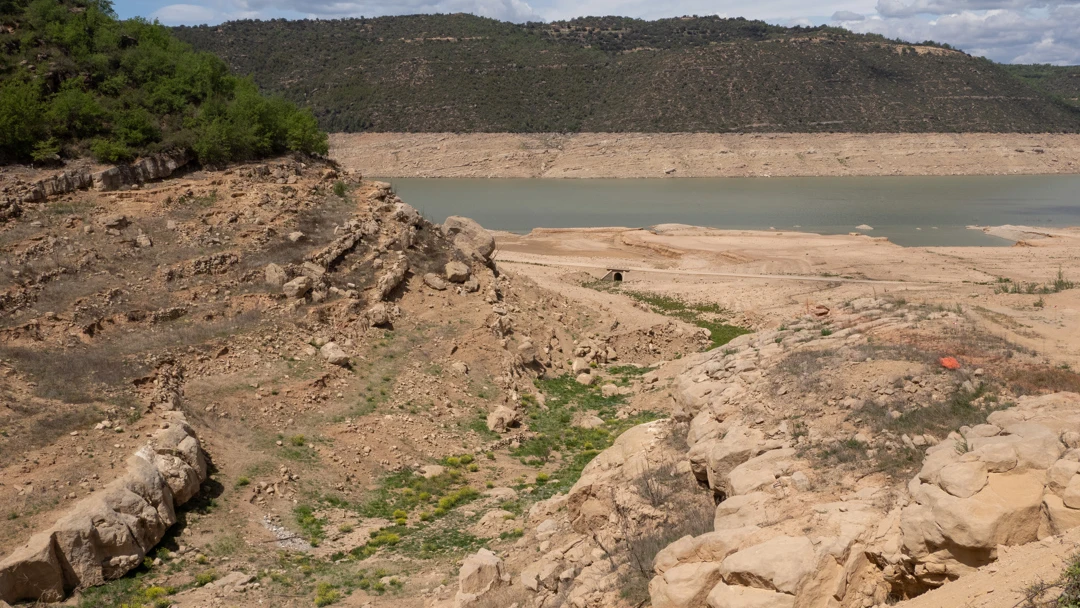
1062	81
76	80
429	73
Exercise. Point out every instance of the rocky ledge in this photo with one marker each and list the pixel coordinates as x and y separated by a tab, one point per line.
109	533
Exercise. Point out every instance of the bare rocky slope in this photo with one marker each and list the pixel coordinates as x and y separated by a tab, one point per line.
635	155
278	384
362	383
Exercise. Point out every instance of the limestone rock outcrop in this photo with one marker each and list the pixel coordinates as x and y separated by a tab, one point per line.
469	238
108	534
1009	482
480	573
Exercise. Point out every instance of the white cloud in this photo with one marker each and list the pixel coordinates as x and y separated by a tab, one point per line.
1014	35
177	14
847	16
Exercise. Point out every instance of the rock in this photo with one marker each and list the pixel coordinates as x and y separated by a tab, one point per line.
586	379
115	222
1004	512
502	419
469	237
432	470
800	481
435	282
472	285
709	547
964	479
590	422
407	214
233	582
108	534
457	272
460	367
758	473
779	564
275	275
580	365
333	354
1071	495
609	390
543	574
143	241
736	596
527	352
479	573
378	315
864	227
298	287
295	237
684	586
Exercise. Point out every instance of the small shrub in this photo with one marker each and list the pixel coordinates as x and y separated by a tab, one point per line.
242	481
326	594
205	578
340	189
297	440
542	478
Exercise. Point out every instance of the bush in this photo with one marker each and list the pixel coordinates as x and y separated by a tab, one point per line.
325	594
128	88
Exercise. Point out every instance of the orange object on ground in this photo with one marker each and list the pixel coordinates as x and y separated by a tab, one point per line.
950	363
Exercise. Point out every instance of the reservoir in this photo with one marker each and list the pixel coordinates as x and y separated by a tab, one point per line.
910	211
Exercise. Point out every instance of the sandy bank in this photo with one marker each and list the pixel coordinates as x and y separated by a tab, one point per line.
631	155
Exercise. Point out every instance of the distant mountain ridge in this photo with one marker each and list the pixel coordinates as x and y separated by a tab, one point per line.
461	73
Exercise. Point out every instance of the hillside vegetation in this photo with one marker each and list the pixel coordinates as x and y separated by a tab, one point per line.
428	73
75	80
1062	81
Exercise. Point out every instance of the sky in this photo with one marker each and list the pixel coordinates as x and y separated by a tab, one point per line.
1010	31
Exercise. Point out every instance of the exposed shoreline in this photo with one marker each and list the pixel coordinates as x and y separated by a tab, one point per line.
644	155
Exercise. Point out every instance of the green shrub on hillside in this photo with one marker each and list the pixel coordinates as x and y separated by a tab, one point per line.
75	80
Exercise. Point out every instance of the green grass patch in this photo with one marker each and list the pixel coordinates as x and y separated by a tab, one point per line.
555	430
311	526
708	315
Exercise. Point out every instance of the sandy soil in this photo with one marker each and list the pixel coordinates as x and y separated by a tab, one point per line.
630	155
767	277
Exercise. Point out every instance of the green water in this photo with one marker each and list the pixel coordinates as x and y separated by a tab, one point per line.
910	211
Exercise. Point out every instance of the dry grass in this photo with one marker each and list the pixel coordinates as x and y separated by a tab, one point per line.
1041	379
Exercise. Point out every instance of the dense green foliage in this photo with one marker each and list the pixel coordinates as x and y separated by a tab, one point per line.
74	80
707	74
1062	81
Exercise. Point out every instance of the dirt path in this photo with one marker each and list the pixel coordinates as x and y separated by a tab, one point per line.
634	155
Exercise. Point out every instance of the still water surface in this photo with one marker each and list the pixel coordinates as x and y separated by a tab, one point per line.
910	211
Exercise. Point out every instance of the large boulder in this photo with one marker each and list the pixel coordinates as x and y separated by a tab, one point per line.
275	275
684	586
298	287
479	573
333	354
779	564
457	272
502	419
108	534
469	237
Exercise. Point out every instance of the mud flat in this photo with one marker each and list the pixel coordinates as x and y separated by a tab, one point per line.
636	155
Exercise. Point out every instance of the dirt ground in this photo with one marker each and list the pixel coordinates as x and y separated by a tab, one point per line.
633	155
765	278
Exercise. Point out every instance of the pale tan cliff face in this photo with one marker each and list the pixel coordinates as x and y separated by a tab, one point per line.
635	155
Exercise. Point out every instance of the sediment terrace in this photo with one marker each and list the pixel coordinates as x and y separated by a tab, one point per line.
638	155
